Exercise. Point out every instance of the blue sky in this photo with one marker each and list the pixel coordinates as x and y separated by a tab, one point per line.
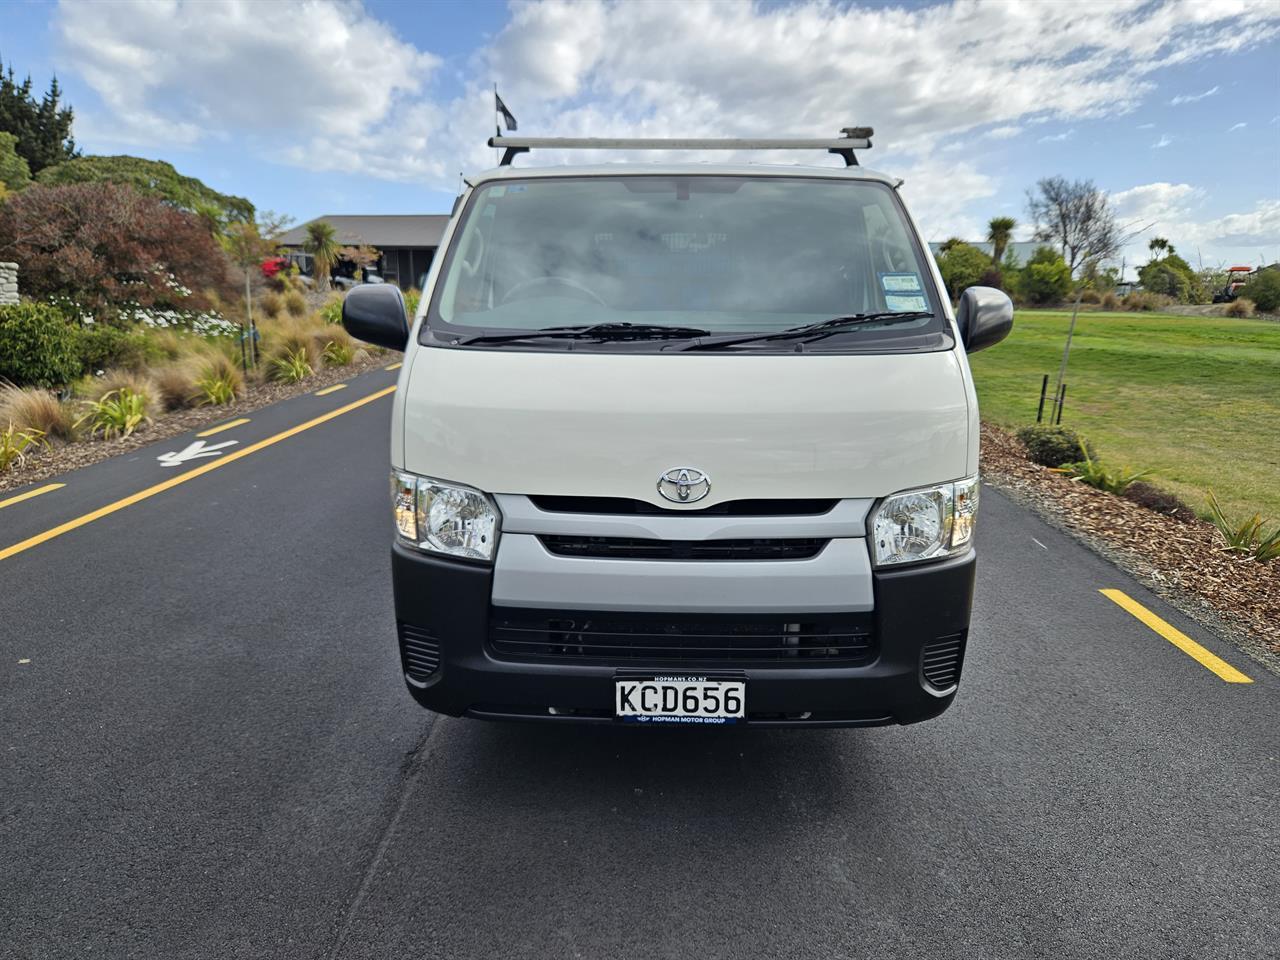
331	106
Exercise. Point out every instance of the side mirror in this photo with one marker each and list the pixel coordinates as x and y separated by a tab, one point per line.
985	317
375	313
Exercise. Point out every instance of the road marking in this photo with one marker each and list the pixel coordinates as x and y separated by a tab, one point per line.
47	488
1179	639
224	426
25	660
394	366
191	474
334	389
1039	544
194	451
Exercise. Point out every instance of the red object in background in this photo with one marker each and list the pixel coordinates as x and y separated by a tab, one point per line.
273	265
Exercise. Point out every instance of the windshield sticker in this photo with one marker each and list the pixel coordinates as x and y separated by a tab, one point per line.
900	302
900	282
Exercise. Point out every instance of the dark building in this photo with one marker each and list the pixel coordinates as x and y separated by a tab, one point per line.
407	242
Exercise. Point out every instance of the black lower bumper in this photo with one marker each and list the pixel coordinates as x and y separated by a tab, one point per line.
921	624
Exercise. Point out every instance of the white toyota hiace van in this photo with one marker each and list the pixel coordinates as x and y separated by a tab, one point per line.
684	444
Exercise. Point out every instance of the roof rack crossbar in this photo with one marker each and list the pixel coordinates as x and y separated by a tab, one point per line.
855	138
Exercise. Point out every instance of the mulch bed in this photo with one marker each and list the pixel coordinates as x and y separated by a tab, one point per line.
1180	557
61	457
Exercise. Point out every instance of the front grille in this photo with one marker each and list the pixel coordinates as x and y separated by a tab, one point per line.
419	650
634	548
941	659
623	506
633	638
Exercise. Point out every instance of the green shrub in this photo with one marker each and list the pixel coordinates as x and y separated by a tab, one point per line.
1046	278
103	347
1263	289
290	368
414	297
1245	536
220	382
15	443
1171	276
1053	446
961	265
38	346
117	414
339	352
1093	473
332	310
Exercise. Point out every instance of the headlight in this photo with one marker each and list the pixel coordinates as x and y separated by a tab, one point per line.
925	524
444	518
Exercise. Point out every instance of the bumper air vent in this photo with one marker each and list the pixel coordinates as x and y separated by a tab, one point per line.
419	650
941	659
631	639
632	548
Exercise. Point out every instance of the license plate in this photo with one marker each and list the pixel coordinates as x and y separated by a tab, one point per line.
680	700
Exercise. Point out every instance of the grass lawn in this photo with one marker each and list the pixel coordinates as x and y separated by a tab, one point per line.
1195	400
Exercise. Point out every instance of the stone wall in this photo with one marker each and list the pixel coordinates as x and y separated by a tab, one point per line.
8	283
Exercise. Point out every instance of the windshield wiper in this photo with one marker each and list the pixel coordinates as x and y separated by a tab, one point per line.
594	331
816	331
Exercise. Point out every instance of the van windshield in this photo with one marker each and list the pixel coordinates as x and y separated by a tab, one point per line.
709	255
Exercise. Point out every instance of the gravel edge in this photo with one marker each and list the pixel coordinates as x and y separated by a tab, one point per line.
1190	579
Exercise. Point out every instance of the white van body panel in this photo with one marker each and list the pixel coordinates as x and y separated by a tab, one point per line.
607	425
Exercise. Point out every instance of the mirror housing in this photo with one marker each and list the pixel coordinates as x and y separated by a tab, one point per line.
984	316
375	313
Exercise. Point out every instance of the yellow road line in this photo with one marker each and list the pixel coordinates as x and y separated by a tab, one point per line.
47	488
394	366
328	390
224	426
1179	639
151	491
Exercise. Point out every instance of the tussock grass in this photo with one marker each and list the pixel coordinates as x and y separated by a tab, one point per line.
36	409
1240	307
295	304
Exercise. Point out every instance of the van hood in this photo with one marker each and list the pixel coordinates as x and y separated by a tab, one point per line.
774	426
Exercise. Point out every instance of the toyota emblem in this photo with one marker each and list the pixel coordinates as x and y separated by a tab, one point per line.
684	485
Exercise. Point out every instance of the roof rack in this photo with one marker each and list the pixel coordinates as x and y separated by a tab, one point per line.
854	138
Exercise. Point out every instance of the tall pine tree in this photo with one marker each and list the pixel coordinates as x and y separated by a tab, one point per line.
43	127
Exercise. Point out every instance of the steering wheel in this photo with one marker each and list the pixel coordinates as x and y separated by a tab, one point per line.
571	284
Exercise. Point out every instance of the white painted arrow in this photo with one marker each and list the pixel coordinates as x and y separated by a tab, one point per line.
194	451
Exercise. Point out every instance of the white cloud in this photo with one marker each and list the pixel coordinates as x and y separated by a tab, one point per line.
179	72
1170	210
938	193
1236	126
1003	133
1057	137
339	90
1163	142
1192	97
1146	126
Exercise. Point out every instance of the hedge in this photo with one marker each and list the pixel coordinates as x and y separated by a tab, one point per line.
38	346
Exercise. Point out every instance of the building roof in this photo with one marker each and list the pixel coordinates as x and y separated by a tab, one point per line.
1022	250
378	230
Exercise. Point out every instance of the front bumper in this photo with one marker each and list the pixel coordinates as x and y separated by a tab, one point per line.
921	623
